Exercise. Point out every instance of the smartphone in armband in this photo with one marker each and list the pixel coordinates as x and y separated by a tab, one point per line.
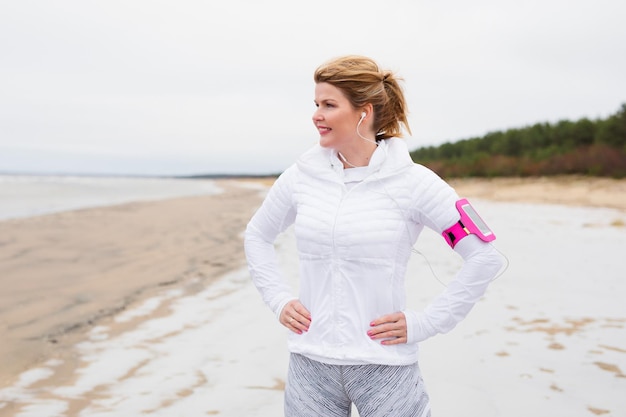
469	224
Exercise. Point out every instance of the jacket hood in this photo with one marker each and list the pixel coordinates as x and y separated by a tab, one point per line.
390	157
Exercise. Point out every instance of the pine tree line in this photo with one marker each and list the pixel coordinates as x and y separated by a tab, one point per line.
586	147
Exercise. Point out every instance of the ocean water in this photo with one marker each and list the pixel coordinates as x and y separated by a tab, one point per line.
29	195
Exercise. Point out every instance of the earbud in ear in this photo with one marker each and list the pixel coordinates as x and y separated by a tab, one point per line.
363	115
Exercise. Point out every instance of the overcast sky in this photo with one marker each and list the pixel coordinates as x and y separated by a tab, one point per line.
185	87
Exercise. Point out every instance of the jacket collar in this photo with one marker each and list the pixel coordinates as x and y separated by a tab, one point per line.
390	157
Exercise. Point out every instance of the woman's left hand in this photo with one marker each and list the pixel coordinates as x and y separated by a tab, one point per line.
390	327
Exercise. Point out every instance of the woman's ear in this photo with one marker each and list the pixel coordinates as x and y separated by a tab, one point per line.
367	111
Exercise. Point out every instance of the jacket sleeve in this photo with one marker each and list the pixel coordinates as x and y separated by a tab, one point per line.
481	264
276	213
435	208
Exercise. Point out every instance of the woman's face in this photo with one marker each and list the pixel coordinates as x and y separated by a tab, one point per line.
335	118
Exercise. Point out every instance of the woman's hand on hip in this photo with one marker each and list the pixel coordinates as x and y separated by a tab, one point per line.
391	328
295	317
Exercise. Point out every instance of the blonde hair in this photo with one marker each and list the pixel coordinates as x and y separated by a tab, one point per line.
362	82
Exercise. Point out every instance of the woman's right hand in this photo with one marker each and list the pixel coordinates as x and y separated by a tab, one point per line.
295	317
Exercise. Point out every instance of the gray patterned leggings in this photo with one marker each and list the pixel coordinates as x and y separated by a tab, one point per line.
316	389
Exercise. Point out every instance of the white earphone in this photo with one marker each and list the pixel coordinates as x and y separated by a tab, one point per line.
363	115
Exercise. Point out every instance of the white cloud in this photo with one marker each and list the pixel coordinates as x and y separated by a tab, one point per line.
190	80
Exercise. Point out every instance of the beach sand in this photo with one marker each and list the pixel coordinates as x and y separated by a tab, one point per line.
146	308
63	273
567	190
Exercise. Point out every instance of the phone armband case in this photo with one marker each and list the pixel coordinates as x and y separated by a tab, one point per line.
469	224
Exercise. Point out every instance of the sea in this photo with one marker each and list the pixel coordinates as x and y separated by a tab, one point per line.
34	195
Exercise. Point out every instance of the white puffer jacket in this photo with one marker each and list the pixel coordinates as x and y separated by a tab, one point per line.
354	245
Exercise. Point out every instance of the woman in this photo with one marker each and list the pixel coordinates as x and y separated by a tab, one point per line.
358	204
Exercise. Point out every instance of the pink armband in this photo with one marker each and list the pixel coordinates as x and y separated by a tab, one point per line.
469	224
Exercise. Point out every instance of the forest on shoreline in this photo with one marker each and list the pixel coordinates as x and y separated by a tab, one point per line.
582	147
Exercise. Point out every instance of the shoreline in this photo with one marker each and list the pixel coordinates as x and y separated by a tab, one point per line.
66	272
